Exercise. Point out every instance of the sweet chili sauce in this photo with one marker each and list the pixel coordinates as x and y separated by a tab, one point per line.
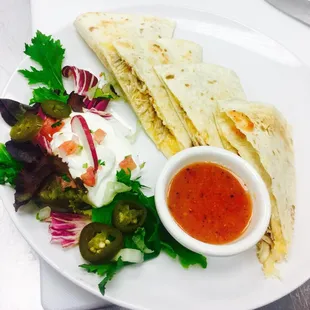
209	203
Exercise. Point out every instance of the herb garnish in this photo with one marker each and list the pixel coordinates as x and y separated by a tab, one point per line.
65	178
49	53
56	124
101	162
125	177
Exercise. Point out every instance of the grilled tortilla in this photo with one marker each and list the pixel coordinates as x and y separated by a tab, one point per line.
194	90
262	137
132	66
99	29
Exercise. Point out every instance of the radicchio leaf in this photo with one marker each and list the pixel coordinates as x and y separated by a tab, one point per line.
12	110
25	152
66	228
102	104
83	79
99	104
101	113
78	102
43	143
41	114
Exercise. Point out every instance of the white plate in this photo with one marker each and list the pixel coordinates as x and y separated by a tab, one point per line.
268	73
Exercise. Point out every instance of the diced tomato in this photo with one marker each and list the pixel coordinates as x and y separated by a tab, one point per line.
69	147
50	126
64	184
89	177
128	164
99	135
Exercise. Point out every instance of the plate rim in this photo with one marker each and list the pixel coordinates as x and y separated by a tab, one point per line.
28	239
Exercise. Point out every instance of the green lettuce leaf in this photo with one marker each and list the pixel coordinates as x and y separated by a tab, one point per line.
41	94
106	270
112	189
175	250
167	248
138	239
104	214
149	239
9	167
106	91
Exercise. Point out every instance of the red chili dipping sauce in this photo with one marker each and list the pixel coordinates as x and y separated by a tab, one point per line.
209	203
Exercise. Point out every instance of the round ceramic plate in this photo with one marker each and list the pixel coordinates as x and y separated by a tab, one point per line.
269	73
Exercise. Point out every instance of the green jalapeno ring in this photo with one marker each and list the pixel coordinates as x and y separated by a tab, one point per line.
128	216
99	243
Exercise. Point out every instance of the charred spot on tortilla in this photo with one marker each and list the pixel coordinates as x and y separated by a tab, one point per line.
212	81
157	47
243	121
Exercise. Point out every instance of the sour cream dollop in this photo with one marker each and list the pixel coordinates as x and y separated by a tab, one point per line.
111	151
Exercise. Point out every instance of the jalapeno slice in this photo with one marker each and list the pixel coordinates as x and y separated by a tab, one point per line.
99	243
26	128
56	109
128	216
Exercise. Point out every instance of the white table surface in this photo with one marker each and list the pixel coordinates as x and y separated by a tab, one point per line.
19	266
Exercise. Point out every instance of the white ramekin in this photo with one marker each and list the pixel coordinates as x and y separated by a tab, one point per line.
260	199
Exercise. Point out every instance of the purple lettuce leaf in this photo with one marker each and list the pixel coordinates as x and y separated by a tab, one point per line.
76	102
32	177
25	152
12	110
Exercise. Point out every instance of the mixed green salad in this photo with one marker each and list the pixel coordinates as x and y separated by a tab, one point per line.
126	229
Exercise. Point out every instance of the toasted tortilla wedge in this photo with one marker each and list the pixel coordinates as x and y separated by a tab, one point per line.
194	90
262	137
133	69
99	29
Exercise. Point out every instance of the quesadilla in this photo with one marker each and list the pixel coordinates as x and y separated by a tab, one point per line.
262	137
132	66
194	90
99	29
